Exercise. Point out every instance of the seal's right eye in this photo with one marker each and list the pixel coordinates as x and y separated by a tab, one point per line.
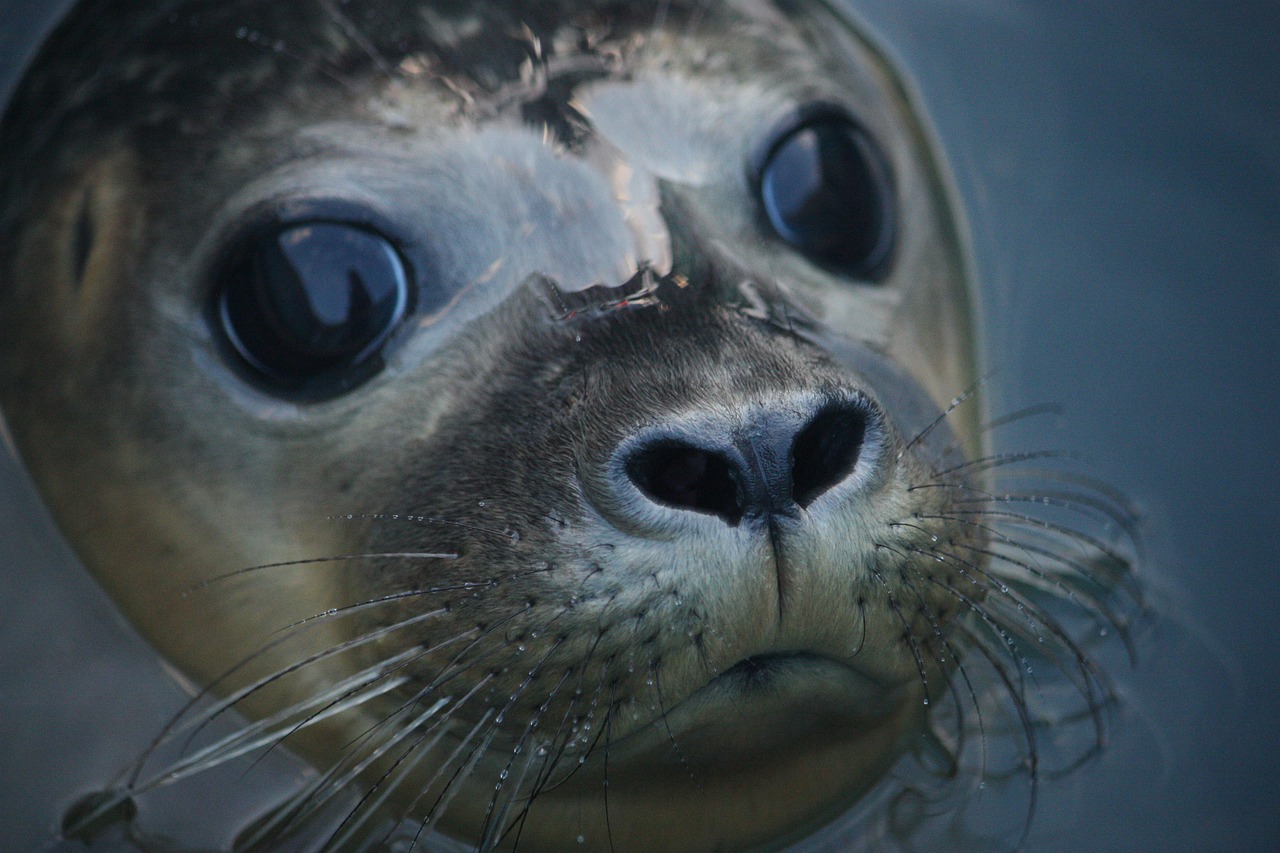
308	305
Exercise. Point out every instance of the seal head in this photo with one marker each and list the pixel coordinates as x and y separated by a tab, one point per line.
530	413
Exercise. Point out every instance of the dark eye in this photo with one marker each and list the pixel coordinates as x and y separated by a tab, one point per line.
825	190
308	304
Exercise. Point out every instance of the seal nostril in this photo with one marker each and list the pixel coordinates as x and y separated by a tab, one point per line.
826	451
687	477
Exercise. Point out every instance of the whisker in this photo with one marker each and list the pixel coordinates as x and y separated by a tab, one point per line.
548	754
608	737
240	695
975	701
1102	509
343	772
940	658
906	625
989	621
321	790
1053	582
862	616
1123	504
955	403
999	460
493	824
1081	504
663	712
506	536
286	633
1029	736
1034	615
177	725
446	794
257	735
1121	576
500	816
401	768
569	720
467	769
1031	521
1033	411
377	555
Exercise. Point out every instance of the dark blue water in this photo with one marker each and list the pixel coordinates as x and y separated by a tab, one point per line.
1121	172
1120	165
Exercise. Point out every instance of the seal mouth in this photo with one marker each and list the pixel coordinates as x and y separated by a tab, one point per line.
761	672
788	681
764	704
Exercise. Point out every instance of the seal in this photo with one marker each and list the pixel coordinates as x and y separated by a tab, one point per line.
545	418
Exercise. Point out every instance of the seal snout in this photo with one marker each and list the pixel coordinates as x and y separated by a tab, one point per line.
770	461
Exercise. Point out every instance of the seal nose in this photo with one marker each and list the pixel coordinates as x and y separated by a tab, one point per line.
773	463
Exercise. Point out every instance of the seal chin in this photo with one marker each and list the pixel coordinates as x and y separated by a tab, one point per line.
767	708
709	768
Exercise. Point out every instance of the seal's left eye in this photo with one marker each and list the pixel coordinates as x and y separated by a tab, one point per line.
825	190
307	305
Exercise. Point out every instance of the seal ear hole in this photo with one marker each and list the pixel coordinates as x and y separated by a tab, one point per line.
308	306
82	237
825	189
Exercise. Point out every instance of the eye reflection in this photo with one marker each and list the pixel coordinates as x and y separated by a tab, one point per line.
312	301
825	190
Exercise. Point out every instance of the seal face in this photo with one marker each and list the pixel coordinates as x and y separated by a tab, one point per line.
530	413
